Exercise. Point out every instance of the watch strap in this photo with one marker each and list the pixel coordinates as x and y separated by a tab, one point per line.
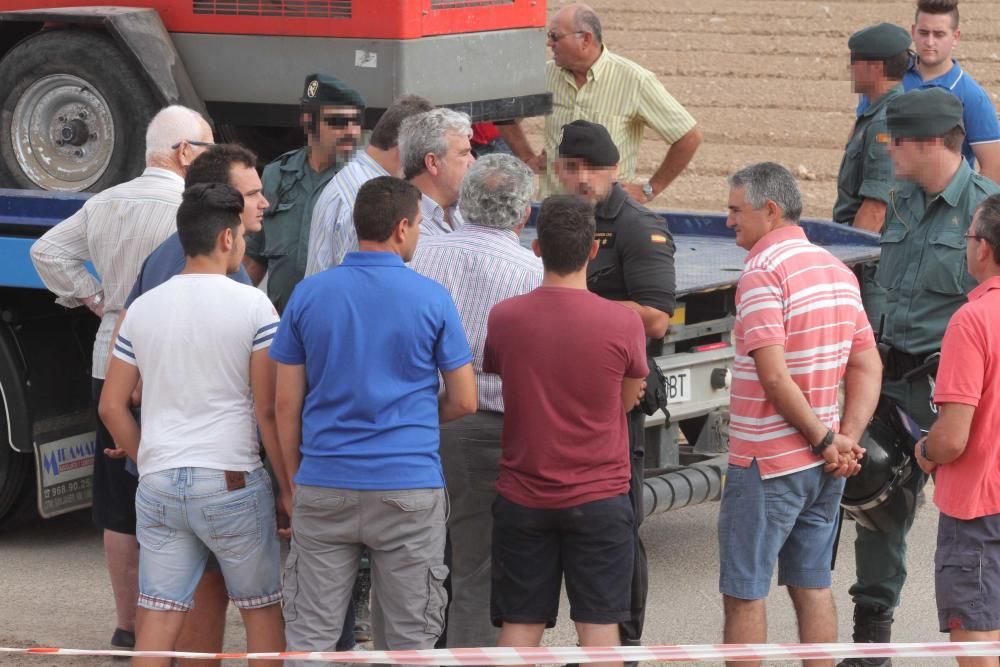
827	440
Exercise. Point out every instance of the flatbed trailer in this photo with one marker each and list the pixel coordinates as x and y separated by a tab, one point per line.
686	457
47	426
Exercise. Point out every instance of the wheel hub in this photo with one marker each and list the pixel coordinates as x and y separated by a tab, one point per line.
64	133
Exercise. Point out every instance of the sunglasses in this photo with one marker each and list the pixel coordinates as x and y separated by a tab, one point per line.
191	143
340	122
555	37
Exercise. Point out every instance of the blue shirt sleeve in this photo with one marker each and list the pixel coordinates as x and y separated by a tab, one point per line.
287	347
980	117
136	286
451	350
241	276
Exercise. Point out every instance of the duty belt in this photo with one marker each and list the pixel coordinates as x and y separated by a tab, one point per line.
898	363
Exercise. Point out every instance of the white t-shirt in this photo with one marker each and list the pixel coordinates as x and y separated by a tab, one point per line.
191	339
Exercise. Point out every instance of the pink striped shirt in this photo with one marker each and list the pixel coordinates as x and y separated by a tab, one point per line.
797	295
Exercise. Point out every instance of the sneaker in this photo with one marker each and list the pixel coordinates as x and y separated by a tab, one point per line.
123	639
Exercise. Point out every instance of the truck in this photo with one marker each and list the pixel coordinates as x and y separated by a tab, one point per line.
82	79
45	351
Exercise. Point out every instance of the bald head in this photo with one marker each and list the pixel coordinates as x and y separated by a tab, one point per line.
579	16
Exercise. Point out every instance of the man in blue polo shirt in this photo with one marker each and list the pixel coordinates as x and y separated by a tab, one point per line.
935	33
359	350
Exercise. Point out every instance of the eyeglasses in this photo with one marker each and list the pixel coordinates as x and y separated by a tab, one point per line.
191	143
340	122
970	235
555	37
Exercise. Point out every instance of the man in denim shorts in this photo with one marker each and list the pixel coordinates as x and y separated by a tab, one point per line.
800	329
962	448
199	342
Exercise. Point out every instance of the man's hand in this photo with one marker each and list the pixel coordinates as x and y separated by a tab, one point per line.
642	392
95	303
925	465
539	163
116	453
843	457
634	191
283	510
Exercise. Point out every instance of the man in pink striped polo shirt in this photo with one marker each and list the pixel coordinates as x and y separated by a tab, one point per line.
800	330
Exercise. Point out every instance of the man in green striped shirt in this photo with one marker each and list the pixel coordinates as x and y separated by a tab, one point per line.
588	82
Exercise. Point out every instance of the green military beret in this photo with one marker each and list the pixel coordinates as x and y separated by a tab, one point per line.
878	42
923	113
325	89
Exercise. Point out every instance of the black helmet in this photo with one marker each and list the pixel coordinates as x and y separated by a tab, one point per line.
886	467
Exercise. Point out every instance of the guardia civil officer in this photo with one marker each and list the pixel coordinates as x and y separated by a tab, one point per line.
879	57
924	274
634	266
331	118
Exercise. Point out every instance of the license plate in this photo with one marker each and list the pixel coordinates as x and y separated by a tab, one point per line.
678	386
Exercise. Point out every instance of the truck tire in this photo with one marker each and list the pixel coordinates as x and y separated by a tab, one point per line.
15	478
74	115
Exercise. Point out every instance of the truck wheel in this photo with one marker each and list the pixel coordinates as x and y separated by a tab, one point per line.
74	114
15	478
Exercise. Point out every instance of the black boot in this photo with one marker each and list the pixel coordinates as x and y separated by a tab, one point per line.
871	625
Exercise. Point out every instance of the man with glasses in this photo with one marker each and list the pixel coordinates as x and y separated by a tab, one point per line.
962	448
923	271
116	230
588	82
331	117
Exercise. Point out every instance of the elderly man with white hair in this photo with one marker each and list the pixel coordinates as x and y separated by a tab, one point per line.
116	230
435	152
480	264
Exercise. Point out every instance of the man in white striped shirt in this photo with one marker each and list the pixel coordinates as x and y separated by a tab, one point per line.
436	153
331	234
116	230
480	264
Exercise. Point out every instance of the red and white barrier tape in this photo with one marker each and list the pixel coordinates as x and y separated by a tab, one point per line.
574	654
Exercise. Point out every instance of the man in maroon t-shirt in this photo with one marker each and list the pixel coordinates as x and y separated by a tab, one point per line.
572	365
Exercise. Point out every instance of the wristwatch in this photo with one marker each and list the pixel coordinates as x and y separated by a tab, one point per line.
647	191
824	443
96	300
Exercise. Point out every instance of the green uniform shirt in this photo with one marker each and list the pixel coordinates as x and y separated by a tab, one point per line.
291	187
922	267
866	169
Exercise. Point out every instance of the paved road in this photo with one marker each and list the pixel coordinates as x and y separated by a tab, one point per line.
55	590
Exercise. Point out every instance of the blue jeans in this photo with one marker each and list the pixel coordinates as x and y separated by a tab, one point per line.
182	514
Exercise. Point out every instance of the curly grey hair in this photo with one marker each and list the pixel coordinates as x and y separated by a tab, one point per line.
496	192
428	133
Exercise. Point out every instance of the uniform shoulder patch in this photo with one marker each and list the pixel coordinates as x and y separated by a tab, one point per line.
658	238
882	138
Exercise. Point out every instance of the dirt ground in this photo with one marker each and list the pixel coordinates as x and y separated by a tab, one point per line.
767	80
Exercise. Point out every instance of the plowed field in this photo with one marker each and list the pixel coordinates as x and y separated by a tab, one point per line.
767	80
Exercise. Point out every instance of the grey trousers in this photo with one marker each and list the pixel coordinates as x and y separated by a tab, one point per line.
470	456
404	532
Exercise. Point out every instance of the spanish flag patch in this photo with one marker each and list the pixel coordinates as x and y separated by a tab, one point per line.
882	138
658	238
